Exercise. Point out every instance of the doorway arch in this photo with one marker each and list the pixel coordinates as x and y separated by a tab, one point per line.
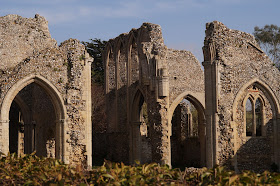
57	102
188	145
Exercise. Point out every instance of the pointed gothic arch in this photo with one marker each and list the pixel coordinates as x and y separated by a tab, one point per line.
140	147
57	102
188	136
263	122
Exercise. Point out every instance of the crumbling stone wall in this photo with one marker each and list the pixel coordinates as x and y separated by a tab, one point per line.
185	74
29	55
139	68
20	37
233	62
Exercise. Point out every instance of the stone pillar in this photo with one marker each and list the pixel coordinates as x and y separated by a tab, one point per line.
59	135
88	112
4	136
160	133
33	136
211	102
276	138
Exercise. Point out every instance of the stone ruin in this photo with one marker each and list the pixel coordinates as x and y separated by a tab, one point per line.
161	105
45	92
226	114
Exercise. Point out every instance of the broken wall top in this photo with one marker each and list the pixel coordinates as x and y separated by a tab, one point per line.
21	37
224	44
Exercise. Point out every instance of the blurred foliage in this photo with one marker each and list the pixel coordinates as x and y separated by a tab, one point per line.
32	170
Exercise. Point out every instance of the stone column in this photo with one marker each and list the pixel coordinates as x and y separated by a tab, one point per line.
59	139
4	136
88	62
211	101
33	136
276	138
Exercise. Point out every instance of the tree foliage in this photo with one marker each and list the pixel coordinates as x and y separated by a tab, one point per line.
95	48
269	39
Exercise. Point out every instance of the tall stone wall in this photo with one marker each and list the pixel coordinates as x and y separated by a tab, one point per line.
29	55
233	63
140	68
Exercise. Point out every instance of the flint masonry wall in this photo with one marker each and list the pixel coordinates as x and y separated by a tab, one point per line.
145	82
140	68
235	70
29	56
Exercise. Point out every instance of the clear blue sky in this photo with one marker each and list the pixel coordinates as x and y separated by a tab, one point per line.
182	21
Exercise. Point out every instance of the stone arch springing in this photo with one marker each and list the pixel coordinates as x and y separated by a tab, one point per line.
57	102
188	132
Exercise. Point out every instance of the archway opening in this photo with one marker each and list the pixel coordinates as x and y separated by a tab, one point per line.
141	141
255	123
188	135
32	125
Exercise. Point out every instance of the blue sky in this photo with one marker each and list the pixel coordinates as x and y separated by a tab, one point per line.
182	21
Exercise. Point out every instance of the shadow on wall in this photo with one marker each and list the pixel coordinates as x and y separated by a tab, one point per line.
256	154
111	142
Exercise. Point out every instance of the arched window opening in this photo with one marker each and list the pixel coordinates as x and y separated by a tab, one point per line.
32	125
249	117
258	115
141	148
188	135
254	116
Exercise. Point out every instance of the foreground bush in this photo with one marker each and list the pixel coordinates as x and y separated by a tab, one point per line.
32	170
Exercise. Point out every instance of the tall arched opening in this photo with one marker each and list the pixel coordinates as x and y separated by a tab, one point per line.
140	147
188	134
33	116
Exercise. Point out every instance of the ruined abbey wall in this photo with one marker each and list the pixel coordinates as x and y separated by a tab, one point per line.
237	69
140	68
29	56
236	99
161	106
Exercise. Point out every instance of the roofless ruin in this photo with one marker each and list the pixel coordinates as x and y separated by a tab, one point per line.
161	105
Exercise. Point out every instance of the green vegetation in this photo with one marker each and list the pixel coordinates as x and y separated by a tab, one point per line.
95	49
82	57
32	170
269	39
